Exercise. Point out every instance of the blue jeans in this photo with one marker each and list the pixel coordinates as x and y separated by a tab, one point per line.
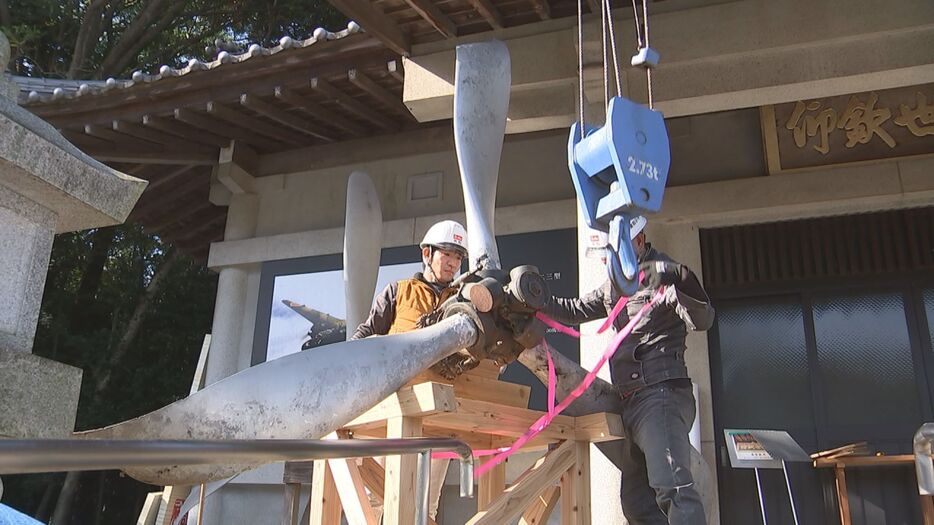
657	486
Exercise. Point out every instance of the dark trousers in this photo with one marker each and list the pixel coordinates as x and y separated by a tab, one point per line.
657	486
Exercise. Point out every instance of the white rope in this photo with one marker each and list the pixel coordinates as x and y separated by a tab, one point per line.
603	45
580	61
648	70
635	15
609	8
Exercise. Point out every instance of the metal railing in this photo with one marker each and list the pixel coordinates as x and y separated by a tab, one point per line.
64	455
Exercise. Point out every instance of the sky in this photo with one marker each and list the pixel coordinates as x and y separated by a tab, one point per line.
323	291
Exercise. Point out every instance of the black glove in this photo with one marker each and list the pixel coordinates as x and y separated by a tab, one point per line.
661	273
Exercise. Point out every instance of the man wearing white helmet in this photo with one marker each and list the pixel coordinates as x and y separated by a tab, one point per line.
649	370
400	305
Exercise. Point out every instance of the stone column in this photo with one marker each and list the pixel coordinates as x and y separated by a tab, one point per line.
47	186
230	305
682	243
604	476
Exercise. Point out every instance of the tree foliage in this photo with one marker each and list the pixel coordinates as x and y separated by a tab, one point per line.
124	306
96	39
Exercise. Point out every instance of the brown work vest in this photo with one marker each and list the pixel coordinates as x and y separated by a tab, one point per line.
415	298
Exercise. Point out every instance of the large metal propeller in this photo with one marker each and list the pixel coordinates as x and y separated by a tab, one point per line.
482	78
298	396
363	228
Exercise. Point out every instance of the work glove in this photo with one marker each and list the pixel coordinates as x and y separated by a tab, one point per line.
661	273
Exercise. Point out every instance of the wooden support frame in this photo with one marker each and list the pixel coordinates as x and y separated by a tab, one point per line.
325	507
396	70
319	112
438	20
359	79
109	135
148	156
376	23
523	493
541	510
285	118
398	503
434	408
215	127
352	105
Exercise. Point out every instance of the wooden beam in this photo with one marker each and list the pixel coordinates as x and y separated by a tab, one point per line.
398	503
542	8
285	118
492	390
172	213
496	419
325	506
219	219
352	493
359	79
251	123
373	476
152	157
235	167
396	70
216	127
429	139
105	133
602	426
319	112
575	488
521	494
186	218
82	141
185	131
352	105
171	175
154	201
489	12
491	486
376	23
541	509
155	136
430	12
413	401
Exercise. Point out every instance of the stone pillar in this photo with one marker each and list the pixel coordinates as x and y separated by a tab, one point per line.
604	476
47	186
224	358
26	232
682	243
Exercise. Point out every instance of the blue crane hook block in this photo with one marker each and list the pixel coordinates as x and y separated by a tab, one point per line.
619	171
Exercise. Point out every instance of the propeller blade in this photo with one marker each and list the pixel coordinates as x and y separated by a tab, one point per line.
305	395
363	228
482	78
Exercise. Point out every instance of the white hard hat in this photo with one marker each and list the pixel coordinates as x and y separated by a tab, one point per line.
447	235
636	225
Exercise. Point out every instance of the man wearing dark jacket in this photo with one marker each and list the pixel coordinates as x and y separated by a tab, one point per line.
650	372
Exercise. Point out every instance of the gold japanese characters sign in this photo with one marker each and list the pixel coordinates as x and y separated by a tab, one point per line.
850	128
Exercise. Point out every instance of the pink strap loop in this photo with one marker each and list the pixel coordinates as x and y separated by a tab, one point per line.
591	376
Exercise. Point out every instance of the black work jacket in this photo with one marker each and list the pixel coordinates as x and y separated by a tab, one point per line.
654	351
